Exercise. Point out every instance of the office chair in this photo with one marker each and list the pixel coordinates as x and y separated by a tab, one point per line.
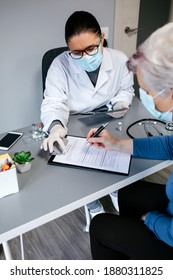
47	59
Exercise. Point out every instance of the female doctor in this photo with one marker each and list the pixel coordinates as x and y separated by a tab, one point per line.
84	78
144	228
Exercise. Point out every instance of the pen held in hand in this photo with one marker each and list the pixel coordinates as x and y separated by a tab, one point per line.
96	133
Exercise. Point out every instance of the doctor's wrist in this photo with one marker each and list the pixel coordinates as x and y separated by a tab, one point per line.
55	122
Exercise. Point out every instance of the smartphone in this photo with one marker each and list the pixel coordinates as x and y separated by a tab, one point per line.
9	140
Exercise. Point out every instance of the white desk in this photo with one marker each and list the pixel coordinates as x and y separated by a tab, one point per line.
48	192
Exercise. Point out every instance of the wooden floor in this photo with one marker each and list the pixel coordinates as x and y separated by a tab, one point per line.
64	238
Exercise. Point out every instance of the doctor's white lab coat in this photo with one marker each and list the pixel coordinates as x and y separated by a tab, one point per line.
70	91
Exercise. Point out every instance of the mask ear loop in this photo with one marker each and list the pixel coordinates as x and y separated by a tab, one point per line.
162	91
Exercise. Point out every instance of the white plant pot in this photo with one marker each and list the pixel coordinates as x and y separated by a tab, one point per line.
21	168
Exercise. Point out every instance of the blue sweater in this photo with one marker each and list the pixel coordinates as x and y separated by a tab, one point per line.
159	147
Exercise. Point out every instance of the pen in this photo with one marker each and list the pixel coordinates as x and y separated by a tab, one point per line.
98	131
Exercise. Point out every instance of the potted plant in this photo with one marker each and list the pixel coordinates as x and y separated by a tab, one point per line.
23	161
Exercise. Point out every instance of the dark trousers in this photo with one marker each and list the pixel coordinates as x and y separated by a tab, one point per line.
124	236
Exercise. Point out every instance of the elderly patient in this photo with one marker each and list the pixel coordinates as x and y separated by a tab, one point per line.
144	228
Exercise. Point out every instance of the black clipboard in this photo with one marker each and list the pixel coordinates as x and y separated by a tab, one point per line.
109	161
99	115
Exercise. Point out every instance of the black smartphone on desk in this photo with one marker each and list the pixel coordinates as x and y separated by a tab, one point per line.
9	140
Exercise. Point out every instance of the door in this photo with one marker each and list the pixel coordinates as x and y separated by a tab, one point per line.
135	20
152	15
126	19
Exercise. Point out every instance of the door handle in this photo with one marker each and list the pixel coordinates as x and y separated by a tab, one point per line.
129	30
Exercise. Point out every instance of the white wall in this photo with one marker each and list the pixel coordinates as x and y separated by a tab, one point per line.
28	28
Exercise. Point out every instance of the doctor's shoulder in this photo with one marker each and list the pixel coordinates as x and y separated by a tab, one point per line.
64	64
61	61
118	55
61	58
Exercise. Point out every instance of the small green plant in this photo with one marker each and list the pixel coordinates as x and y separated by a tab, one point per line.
22	157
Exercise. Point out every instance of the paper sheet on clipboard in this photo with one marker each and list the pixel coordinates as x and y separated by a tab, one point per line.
84	155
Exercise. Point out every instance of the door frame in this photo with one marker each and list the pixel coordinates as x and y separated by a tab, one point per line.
126	13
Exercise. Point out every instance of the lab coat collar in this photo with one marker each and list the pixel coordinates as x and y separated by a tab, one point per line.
106	66
107	63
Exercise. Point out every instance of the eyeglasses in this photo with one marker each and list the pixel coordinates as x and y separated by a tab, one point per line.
91	50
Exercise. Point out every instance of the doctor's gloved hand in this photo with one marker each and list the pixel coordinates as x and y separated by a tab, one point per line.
57	134
121	108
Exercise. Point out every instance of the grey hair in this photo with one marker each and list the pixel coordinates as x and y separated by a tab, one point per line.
154	59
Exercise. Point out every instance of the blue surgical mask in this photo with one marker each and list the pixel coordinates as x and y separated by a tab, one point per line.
90	62
148	102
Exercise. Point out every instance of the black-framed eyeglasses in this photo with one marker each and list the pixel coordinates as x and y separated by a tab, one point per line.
91	50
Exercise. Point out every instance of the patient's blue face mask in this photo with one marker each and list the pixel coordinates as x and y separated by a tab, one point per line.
148	102
90	62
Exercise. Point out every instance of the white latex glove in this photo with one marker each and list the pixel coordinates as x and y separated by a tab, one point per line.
119	106
57	133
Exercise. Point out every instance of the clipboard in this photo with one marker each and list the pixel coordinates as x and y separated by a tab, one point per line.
99	115
82	155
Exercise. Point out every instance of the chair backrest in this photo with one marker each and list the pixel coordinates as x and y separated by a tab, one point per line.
47	59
